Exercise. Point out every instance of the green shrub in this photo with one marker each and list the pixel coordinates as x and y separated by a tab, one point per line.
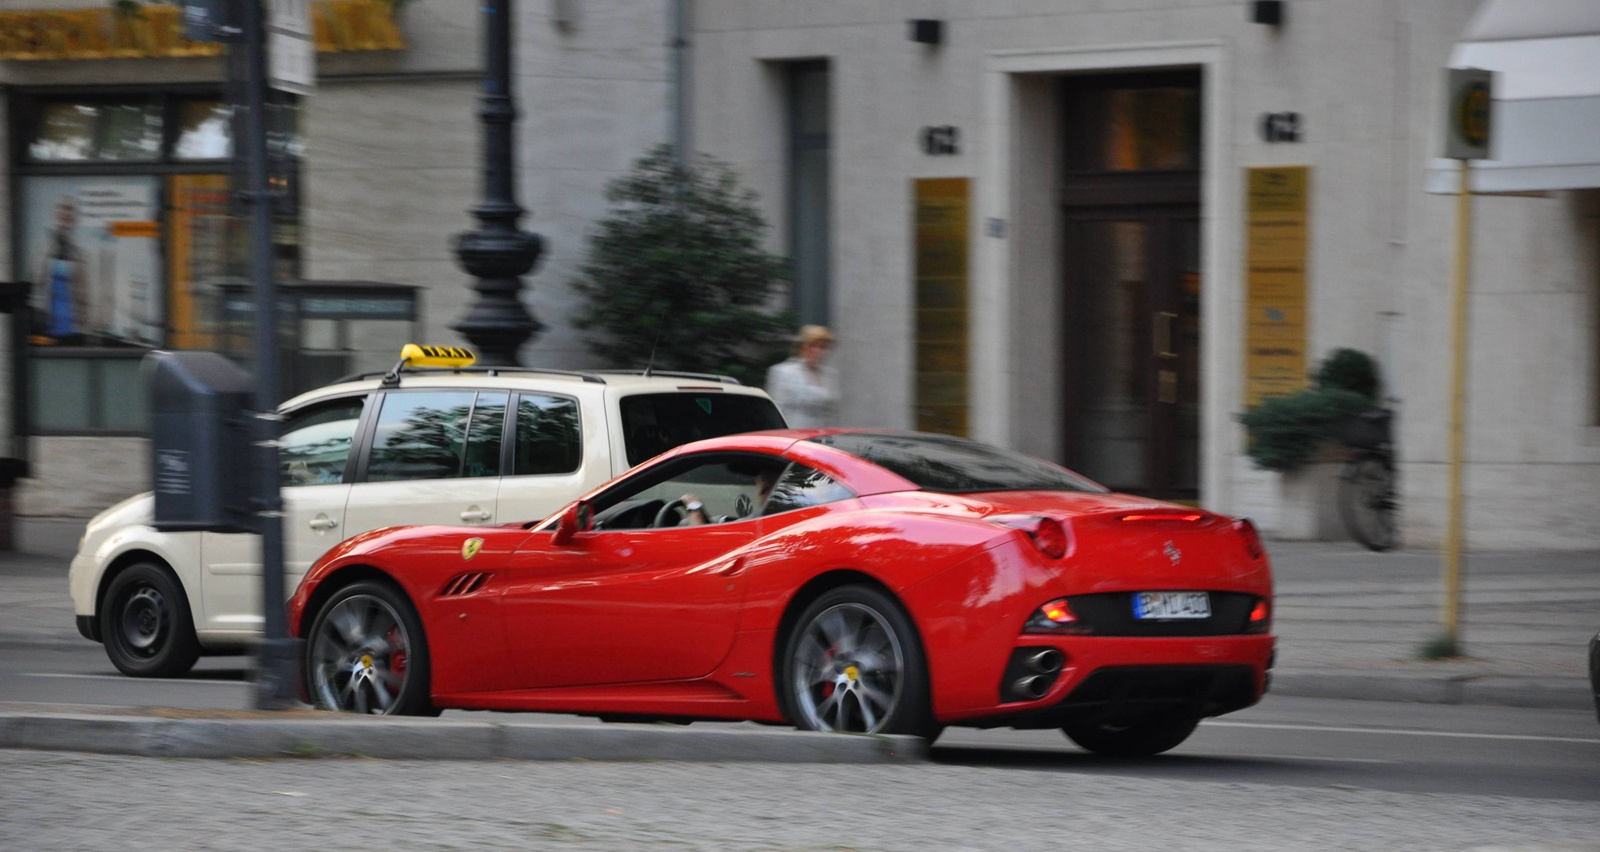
1285	431
679	256
1351	370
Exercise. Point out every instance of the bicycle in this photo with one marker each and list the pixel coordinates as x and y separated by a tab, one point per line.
1368	498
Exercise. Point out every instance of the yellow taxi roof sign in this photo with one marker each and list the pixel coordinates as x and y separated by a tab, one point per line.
416	355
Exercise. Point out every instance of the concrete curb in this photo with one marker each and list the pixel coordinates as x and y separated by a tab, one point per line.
1554	693
259	736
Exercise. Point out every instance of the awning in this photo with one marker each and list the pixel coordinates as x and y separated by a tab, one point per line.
1546	131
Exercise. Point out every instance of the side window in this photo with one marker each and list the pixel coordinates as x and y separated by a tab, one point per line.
549	438
420	435
484	435
802	486
317	441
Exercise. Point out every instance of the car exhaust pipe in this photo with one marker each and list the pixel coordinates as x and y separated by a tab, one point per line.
1047	661
1032	687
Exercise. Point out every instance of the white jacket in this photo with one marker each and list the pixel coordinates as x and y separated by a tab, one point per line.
805	405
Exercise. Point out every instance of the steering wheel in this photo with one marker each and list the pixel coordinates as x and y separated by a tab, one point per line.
672	506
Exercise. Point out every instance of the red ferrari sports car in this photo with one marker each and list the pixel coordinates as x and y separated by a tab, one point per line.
836	580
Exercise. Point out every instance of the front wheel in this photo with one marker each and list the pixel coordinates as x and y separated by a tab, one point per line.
1134	738
853	663
367	654
146	624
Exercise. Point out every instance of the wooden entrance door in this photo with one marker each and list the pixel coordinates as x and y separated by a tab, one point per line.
1131	324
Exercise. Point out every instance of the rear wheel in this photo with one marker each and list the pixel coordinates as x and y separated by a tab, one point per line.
367	654
1133	738
146	624
854	663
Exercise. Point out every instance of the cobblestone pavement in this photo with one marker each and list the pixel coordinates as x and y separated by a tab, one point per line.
80	802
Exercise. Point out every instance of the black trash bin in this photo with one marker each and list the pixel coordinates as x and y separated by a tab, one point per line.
200	441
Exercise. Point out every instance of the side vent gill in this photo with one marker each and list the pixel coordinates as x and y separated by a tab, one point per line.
464	584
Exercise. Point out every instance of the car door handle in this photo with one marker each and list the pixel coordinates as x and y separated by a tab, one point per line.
731	568
322	522
475	515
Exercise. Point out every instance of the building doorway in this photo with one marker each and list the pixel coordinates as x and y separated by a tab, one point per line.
1130	198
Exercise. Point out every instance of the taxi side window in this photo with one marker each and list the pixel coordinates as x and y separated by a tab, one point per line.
801	487
317	442
482	456
423	435
549	437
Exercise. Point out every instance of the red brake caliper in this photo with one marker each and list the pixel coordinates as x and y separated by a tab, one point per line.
397	658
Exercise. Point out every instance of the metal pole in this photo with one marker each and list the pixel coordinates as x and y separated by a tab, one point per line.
1458	385
498	253
275	686
679	43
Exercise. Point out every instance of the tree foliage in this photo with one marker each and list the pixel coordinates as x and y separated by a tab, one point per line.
680	255
1285	431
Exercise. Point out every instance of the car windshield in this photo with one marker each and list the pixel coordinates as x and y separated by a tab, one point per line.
653	423
955	465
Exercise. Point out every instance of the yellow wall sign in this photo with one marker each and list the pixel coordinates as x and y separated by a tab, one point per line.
156	30
941	288
1275	281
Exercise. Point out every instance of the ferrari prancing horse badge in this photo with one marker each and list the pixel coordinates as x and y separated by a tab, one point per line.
469	548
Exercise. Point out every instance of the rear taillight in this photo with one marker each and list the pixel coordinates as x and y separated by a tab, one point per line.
1252	540
1054	617
1047	534
1260	617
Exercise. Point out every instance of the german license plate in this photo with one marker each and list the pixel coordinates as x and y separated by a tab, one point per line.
1171	605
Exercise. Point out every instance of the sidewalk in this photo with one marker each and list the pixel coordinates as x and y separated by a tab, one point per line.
1349	623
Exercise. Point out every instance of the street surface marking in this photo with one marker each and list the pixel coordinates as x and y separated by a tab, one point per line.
1334	730
1311	757
126	679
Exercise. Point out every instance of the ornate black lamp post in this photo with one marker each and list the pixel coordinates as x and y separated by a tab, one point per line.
498	253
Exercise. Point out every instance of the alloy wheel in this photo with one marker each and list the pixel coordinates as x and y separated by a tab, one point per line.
848	670
359	657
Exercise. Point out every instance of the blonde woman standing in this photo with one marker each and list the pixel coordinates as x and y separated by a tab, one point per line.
806	387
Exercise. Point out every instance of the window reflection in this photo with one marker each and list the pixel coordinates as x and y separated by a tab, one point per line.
68	132
204	131
1138	129
420	436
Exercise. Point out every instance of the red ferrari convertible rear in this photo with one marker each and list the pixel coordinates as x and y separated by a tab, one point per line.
835	580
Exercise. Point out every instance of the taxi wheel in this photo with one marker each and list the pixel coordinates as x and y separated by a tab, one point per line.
366	653
146	625
1141	738
853	663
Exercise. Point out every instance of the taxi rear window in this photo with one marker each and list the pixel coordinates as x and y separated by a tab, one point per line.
653	423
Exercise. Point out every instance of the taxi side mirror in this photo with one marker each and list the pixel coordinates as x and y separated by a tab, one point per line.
576	519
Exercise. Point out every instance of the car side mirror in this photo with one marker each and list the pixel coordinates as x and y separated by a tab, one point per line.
576	519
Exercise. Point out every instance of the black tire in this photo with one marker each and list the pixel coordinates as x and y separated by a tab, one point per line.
883	624
352	670
146	624
1367	502
1135	738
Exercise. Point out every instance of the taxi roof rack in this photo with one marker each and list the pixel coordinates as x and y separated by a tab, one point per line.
677	374
391	376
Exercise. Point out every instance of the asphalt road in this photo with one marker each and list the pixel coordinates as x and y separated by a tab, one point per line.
1291	742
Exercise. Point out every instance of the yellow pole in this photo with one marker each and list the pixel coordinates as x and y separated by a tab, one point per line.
1458	393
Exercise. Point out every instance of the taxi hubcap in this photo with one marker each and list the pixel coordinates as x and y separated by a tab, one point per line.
847	670
144	621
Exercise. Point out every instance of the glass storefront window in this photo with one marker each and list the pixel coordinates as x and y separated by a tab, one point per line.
64	132
204	131
77	132
129	132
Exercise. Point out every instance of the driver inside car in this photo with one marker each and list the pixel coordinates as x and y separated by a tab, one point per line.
695	510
